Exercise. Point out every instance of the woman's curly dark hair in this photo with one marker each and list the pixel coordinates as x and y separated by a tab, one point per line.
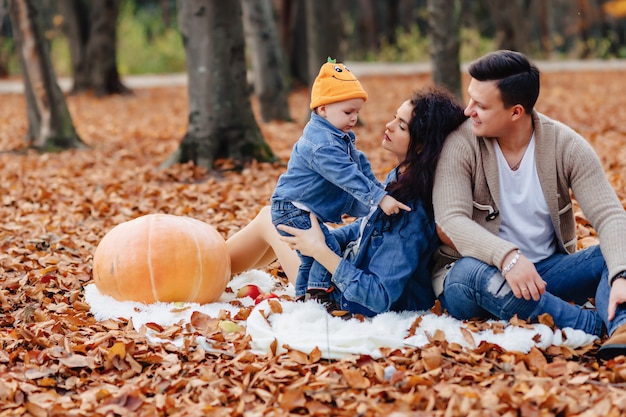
436	113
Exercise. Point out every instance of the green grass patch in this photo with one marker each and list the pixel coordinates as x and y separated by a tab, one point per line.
145	45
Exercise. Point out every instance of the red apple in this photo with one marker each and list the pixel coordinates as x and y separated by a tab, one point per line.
264	296
249	290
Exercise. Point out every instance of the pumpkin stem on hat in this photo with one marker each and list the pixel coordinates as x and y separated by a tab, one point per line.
332	61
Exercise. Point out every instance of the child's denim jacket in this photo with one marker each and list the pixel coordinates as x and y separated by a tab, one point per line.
392	268
328	175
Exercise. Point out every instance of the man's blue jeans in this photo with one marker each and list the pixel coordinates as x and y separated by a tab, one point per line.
474	289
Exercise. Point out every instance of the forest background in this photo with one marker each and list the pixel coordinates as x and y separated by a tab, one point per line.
55	359
275	45
371	30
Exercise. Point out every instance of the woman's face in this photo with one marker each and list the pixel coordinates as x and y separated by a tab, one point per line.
396	138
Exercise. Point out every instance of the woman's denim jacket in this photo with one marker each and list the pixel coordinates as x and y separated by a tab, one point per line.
328	174
392	269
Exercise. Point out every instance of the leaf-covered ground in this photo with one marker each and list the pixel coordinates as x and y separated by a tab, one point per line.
55	359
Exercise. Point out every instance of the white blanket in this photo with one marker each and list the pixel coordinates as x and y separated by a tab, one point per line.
306	326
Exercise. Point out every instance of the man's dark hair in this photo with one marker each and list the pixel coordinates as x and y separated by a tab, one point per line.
516	78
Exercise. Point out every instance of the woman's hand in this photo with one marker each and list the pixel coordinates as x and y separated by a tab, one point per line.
311	242
308	241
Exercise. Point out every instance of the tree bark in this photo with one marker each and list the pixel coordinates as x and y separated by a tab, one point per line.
298	53
221	123
50	126
324	33
511	30
544	29
292	33
90	27
4	68
366	39
268	62
101	49
444	18
392	20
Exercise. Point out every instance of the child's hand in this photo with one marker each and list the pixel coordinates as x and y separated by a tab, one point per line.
392	206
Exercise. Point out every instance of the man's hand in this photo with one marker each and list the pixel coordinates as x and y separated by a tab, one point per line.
392	206
617	296
523	278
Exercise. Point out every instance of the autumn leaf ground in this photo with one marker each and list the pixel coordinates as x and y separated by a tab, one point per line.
55	359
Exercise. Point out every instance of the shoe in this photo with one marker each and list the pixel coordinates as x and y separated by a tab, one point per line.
323	297
614	345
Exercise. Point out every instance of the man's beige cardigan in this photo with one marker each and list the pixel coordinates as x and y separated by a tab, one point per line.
467	190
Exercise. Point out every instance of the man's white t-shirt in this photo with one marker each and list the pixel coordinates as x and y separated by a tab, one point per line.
524	214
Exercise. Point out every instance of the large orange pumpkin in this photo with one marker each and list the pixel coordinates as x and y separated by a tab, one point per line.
162	257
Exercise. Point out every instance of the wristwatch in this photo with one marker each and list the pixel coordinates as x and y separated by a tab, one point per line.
620	275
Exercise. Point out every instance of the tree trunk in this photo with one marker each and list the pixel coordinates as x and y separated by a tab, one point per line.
91	30
292	33
407	14
298	53
268	63
286	11
50	126
392	21
366	30
444	18
324	29
4	66
511	30
76	28
164	6
544	29
101	49
221	123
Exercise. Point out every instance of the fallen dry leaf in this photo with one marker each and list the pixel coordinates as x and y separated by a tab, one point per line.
56	359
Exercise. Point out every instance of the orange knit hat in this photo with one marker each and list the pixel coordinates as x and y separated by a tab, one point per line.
335	83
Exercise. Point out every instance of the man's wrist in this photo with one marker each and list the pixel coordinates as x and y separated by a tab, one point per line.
512	263
617	276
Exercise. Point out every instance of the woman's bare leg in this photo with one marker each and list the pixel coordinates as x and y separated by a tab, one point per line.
258	244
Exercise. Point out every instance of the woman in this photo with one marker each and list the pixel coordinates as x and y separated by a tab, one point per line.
386	259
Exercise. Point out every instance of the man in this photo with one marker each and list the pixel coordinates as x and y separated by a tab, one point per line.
503	205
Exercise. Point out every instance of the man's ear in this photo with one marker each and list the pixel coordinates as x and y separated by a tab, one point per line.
517	111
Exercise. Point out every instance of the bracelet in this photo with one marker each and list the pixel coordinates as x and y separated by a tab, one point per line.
512	263
616	277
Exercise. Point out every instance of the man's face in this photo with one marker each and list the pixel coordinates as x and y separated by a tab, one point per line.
489	116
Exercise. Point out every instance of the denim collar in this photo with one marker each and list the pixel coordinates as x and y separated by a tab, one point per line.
319	122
